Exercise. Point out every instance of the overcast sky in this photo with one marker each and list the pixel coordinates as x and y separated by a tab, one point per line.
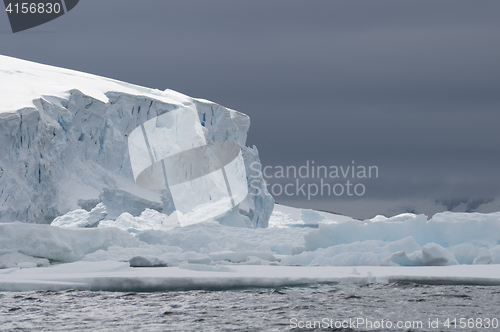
412	87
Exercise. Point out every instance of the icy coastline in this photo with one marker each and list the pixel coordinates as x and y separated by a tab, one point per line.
72	215
214	256
116	276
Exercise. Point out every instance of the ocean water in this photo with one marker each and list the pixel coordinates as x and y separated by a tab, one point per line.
324	307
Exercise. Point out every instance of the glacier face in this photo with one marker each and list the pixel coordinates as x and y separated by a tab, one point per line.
65	136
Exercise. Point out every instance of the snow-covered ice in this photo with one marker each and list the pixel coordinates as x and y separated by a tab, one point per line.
77	212
82	218
117	276
65	146
17	260
149	219
144	255
61	244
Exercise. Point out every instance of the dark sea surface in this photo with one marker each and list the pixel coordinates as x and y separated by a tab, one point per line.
283	309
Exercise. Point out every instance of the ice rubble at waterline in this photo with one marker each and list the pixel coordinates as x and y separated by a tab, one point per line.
404	240
65	161
118	256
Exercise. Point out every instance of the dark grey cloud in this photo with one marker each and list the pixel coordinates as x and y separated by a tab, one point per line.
409	86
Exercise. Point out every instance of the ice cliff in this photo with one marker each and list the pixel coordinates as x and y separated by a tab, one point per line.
64	144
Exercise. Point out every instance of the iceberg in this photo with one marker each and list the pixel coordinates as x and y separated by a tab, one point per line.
72	140
60	244
17	260
82	218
